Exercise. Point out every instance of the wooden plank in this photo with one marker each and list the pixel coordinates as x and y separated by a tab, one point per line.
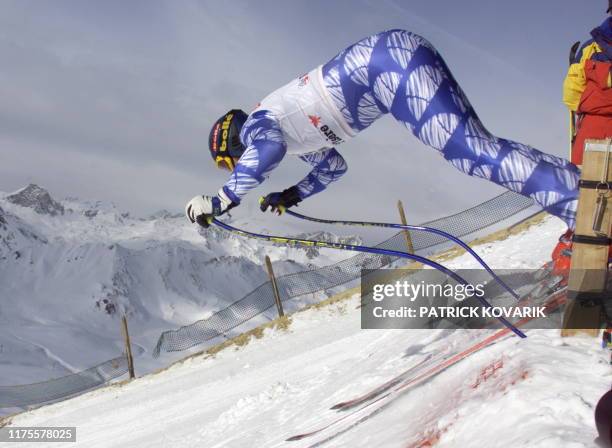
589	264
580	319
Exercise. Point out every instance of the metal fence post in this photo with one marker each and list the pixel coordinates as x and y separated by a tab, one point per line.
128	346
277	299
409	245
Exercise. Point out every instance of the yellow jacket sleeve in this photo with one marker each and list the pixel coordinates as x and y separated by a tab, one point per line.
575	81
573	86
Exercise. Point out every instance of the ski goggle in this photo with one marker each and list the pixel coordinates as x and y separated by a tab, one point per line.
225	163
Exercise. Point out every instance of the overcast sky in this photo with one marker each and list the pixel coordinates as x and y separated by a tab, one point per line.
113	100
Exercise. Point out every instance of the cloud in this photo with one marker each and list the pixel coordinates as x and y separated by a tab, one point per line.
113	100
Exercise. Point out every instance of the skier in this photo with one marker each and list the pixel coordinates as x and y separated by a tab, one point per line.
394	72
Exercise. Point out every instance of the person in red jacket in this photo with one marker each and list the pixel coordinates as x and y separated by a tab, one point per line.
587	91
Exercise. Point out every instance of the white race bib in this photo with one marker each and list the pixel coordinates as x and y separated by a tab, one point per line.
308	118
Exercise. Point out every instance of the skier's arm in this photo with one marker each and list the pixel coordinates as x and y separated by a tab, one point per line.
265	148
329	166
575	80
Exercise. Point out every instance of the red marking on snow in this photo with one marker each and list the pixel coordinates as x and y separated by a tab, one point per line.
431	438
487	372
314	120
555	301
522	377
496	381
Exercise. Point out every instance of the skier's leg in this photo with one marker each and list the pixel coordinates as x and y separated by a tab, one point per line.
402	73
434	106
348	82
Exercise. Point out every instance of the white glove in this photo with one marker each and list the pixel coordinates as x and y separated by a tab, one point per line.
202	209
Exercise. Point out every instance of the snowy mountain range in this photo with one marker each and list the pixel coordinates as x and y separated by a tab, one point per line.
69	268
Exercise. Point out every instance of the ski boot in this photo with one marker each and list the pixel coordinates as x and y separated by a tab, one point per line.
562	255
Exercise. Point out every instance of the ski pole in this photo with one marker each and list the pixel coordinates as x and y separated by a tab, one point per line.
572	127
416	228
358	248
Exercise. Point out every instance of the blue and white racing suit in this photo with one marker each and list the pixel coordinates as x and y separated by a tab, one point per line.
400	73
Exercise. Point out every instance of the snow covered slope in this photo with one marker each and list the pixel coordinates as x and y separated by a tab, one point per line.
69	268
537	392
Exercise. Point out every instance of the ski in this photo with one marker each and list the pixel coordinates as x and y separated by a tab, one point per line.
391	393
538	289
572	57
374	405
378	405
349	404
573	51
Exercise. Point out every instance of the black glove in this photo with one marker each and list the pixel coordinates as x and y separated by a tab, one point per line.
279	202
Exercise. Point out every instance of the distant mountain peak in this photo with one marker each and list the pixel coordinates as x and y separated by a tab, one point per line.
164	214
38	199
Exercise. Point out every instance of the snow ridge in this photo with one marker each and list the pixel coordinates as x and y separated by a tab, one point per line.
69	269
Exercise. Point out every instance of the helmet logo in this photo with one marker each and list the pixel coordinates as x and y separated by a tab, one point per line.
215	136
225	126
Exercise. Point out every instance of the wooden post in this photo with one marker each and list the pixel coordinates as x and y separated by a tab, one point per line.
277	299
589	265
128	346
409	245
